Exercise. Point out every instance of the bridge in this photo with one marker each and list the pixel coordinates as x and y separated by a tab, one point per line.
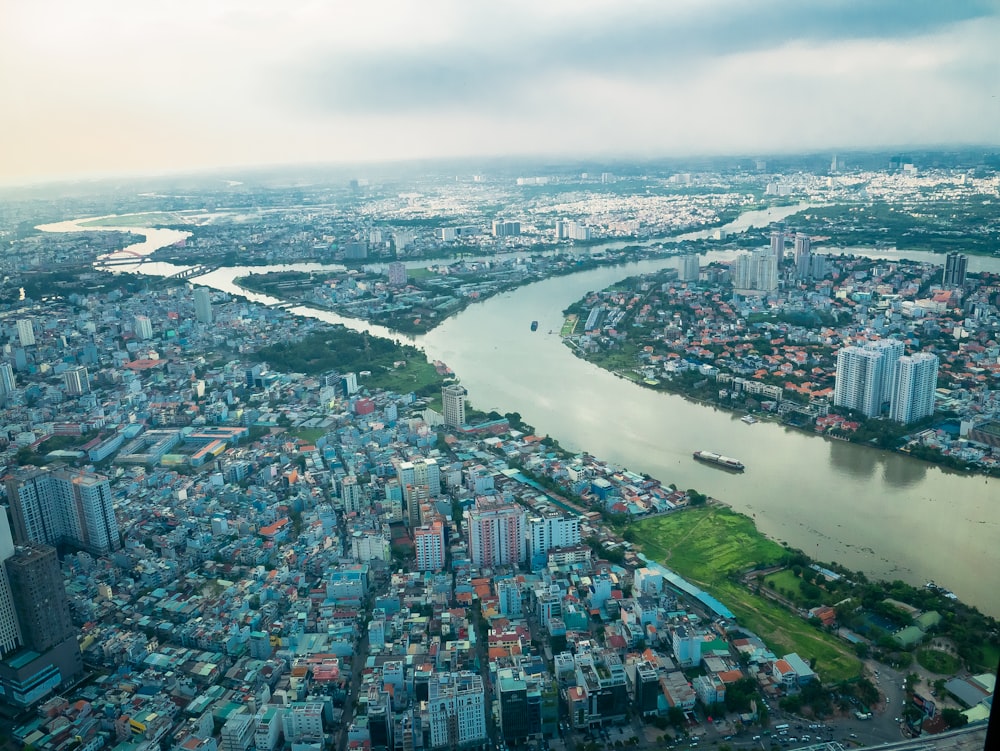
196	270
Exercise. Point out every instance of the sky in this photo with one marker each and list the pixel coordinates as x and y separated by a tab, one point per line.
107	87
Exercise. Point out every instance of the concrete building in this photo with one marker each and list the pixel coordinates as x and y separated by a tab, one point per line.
453	398
690	268
203	307
803	256
955	266
60	506
25	332
496	530
39	596
859	381
915	387
238	733
7	383
551	531
77	381
397	274
143	327
10	629
456	710
428	539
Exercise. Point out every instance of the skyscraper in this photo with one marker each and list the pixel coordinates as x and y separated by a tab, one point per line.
859	380
10	629
62	506
891	350
203	304
39	595
803	256
955	265
690	267
915	387
25	332
456	710
453	404
497	532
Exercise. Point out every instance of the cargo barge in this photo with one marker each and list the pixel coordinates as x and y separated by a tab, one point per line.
710	457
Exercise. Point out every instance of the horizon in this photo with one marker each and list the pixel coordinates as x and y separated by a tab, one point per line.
111	89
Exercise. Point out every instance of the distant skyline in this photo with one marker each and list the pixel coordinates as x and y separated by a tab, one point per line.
112	87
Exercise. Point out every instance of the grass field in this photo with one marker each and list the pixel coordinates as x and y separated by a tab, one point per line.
938	662
569	325
785	581
704	545
308	434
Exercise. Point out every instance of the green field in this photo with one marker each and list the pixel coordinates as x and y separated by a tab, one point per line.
310	435
785	581
705	545
938	662
569	325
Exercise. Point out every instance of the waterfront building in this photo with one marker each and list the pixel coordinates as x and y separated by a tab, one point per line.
955	265
891	350
397	274
456	710
453	397
25	332
504	228
203	304
496	531
690	267
803	256
915	387
62	506
859	380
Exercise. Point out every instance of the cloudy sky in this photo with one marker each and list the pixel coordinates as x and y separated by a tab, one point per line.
134	86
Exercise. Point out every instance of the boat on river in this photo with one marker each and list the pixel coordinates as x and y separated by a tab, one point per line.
748	419
726	462
534	325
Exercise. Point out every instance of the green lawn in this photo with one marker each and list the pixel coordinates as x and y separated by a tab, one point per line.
938	662
785	580
704	545
310	435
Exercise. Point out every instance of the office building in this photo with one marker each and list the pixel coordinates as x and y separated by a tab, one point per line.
60	506
25	332
7	383
915	386
860	380
203	304
77	381
456	710
955	265
429	542
39	596
453	398
496	530
143	327
238	733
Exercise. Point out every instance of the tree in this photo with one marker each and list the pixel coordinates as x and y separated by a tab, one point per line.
676	716
953	717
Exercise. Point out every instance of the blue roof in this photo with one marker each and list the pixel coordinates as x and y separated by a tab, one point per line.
690	589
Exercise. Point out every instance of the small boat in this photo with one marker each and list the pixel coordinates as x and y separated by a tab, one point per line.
749	419
534	325
726	462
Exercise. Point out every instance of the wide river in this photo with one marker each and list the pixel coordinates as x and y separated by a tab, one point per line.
883	513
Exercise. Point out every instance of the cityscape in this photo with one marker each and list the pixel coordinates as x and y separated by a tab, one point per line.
519	377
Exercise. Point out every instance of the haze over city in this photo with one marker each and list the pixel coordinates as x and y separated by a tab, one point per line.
112	87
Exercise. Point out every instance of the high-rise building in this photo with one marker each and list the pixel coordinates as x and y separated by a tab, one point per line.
25	332
496	531
39	595
397	274
10	628
778	244
143	327
456	710
77	381
428	539
7	383
690	268
955	265
552	530
860	380
453	398
203	304
60	506
504	228
756	271
803	256
915	386
892	350
351	494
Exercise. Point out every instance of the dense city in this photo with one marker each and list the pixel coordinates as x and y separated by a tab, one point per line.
206	549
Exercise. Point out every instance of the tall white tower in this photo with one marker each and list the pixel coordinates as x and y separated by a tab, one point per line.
453	404
25	332
915	386
203	304
10	630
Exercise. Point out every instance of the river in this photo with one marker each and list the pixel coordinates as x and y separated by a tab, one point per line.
886	514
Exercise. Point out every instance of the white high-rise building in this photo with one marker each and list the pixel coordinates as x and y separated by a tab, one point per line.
496	530
143	327
203	304
803	256
456	710
62	505
77	381
915	386
351	494
892	350
25	332
7	383
453	398
552	531
859	380
690	268
428	540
